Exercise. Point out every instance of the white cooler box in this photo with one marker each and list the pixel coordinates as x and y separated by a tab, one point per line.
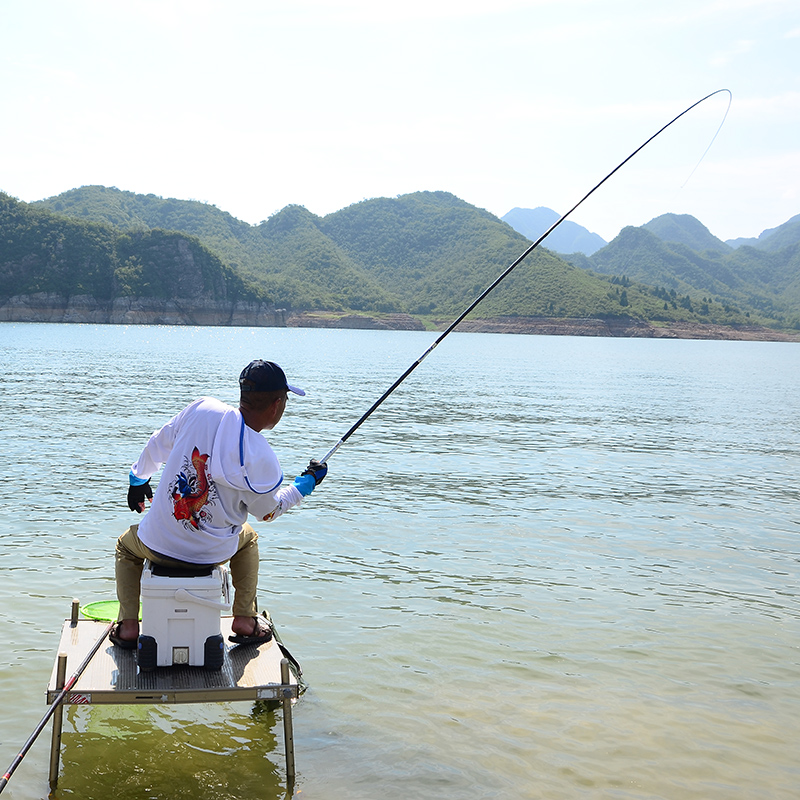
181	616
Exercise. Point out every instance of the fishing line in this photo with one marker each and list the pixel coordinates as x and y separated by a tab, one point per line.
514	265
714	138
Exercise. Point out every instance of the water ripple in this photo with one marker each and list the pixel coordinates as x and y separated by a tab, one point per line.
546	567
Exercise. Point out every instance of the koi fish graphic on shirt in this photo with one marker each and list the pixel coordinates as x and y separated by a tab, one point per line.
192	490
272	514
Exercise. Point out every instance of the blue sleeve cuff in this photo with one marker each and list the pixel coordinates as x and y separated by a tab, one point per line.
134	481
305	484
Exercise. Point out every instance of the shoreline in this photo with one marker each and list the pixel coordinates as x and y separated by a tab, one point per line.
628	328
83	309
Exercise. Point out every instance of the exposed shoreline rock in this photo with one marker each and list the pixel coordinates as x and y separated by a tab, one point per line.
625	328
325	319
45	307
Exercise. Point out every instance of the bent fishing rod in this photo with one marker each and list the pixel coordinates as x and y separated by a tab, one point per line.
515	264
53	706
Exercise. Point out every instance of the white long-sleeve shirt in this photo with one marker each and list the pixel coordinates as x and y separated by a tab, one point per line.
216	472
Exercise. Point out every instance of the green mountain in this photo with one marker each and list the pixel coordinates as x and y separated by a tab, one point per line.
303	268
44	252
235	241
773	239
287	256
685	229
439	253
762	283
643	256
426	253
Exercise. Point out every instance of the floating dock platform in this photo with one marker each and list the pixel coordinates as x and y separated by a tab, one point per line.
248	673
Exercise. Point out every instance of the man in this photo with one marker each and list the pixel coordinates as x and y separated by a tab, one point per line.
218	468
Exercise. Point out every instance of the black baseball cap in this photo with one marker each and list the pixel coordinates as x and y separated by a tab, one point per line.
265	376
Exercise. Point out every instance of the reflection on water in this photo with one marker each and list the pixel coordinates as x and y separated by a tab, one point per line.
152	751
545	568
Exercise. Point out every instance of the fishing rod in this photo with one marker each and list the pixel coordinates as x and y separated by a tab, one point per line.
53	706
515	264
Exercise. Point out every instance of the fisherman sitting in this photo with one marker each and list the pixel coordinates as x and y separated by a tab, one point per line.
218	468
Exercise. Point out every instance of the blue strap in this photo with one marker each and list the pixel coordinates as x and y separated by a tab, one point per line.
244	471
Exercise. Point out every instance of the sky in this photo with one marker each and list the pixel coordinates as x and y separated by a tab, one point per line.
254	105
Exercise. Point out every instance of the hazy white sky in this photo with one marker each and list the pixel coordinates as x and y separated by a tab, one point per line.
253	105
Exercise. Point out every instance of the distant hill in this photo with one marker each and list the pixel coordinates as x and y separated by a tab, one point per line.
43	252
287	256
568	237
643	256
237	241
685	229
300	266
439	252
424	253
773	239
768	283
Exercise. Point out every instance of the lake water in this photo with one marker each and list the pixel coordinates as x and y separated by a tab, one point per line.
546	567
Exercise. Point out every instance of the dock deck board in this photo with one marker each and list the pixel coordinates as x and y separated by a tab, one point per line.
248	673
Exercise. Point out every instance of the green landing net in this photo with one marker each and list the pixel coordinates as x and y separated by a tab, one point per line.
103	611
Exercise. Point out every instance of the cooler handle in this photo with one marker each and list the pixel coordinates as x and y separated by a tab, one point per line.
184	594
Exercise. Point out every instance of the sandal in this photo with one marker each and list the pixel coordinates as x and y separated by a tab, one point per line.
125	644
262	632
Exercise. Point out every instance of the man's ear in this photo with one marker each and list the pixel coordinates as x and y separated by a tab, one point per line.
274	407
